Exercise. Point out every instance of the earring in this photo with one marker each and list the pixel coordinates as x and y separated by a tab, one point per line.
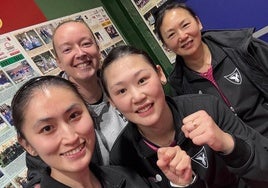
33	153
167	49
164	82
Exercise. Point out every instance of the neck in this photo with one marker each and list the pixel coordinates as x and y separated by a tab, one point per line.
90	89
200	61
81	179
162	133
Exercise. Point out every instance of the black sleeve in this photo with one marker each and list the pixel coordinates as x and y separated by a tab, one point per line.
250	146
36	166
235	159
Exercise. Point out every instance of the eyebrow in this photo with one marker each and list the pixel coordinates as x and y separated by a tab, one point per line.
70	108
180	24
136	74
68	43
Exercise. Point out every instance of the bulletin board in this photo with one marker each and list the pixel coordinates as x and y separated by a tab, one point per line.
146	9
27	53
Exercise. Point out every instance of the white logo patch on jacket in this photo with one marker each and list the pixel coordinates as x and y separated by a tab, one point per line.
201	158
235	77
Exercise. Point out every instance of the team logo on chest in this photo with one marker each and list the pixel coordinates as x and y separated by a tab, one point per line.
235	77
201	158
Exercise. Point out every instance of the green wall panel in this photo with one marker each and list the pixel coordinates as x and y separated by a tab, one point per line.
53	9
136	31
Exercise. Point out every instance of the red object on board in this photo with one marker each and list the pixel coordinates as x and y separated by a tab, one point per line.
17	14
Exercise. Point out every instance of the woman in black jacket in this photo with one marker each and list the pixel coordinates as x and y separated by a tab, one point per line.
53	122
211	146
229	64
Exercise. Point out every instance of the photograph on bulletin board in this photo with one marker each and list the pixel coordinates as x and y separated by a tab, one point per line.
147	10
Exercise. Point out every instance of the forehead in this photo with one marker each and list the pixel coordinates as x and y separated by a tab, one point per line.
174	16
129	62
177	11
70	28
125	67
51	91
45	98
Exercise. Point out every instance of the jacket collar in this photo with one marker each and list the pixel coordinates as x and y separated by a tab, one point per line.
217	57
230	38
109	178
142	149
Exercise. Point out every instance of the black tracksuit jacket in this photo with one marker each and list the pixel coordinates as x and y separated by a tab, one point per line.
109	176
240	68
248	159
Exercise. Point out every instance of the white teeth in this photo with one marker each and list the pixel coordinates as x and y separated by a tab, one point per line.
72	152
82	65
186	44
144	109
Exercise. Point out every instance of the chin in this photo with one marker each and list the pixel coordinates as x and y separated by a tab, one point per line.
148	122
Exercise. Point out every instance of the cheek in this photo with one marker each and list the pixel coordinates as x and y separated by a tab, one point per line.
157	90
65	59
44	145
122	103
172	44
195	31
86	127
94	52
86	130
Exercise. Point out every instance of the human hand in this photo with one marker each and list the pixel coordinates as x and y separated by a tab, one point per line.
175	164
202	129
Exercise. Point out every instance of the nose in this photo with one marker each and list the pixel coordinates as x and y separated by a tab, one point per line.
80	52
68	134
137	95
182	35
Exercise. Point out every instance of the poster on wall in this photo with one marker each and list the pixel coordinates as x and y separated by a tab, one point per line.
146	9
27	53
14	69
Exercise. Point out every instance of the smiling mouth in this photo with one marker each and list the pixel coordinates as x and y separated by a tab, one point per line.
74	151
187	44
144	109
84	65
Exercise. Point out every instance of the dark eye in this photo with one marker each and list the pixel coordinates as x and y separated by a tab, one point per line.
141	81
171	35
87	43
186	25
75	115
47	129
122	91
66	50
